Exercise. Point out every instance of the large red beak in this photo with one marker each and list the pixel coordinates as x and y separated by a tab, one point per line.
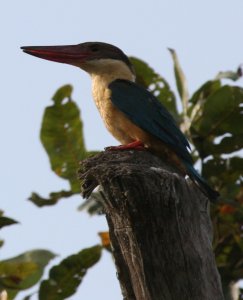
71	54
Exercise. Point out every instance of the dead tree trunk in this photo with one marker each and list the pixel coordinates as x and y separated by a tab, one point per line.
159	226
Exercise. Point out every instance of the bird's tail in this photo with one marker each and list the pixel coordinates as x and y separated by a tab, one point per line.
201	183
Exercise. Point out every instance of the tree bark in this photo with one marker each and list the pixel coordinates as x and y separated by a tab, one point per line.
159	226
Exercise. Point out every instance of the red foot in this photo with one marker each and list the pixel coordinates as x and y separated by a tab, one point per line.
137	145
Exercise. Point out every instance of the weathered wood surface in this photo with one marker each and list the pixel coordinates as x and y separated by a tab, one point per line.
159	226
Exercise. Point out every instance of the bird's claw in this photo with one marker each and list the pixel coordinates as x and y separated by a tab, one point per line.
137	145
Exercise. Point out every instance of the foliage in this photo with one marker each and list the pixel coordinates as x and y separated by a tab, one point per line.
5	221
181	85
23	271
54	197
212	119
65	278
62	137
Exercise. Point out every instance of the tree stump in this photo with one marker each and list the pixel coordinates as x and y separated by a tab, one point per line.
159	225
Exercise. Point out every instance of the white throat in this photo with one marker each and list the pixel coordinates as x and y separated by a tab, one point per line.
109	70
103	72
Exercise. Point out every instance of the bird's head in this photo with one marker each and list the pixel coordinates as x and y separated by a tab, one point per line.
93	57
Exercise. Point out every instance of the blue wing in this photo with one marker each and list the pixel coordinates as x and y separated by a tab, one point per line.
144	110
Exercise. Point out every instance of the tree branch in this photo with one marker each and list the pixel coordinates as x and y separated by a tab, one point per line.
159	225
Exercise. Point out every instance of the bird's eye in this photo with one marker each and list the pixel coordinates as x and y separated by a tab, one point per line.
94	48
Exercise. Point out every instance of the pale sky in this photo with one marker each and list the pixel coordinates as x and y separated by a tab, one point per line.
207	36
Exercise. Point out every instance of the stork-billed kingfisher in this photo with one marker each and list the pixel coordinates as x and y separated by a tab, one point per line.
132	114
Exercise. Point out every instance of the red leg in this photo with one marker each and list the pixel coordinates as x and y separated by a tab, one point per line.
137	145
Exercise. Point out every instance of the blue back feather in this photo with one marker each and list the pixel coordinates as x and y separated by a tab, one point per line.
145	110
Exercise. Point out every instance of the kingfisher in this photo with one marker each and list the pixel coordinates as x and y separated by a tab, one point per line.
131	113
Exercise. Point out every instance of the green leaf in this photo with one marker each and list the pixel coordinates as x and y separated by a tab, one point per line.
54	197
229	247
1	243
181	82
65	278
225	173
224	168
62	136
207	89
200	97
151	80
5	221
221	113
23	271
62	93
232	75
228	144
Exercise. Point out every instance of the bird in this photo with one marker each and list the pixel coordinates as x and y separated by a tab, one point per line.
130	112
